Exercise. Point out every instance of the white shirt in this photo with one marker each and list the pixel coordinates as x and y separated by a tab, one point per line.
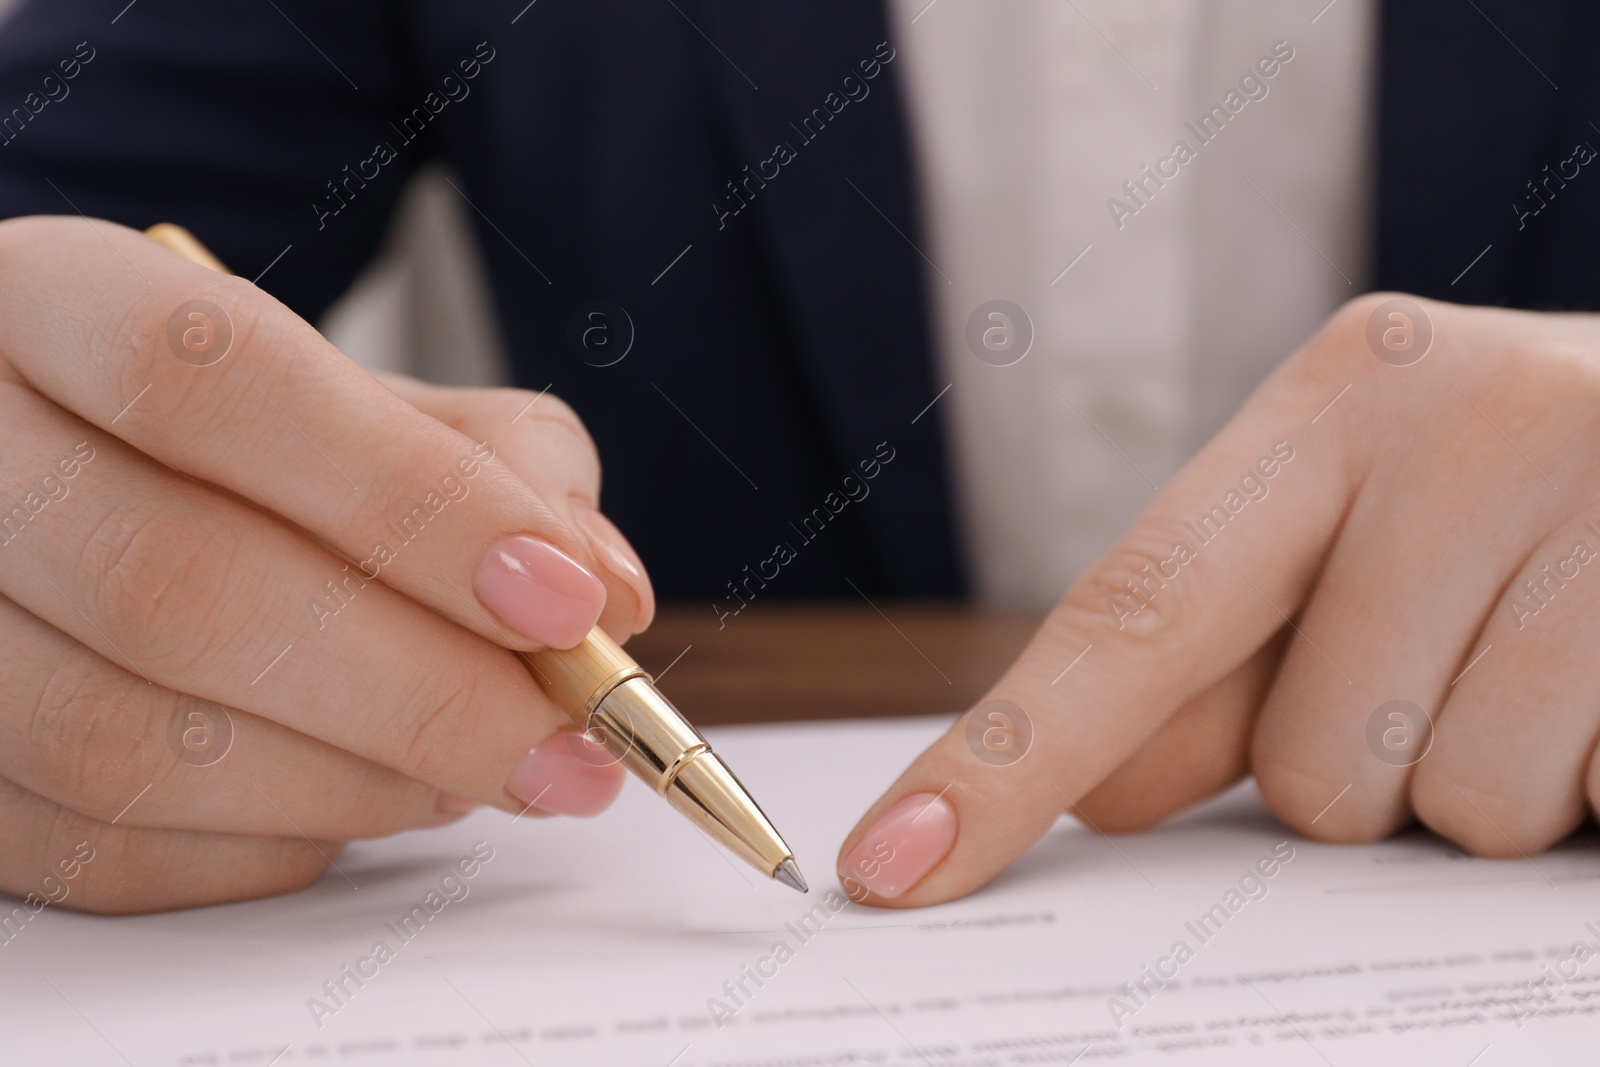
1028	117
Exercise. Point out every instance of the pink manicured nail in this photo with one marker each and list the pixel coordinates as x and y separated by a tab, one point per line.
617	556
907	843
614	549
450	804
561	778
539	590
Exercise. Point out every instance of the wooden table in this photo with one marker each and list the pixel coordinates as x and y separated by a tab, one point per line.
829	661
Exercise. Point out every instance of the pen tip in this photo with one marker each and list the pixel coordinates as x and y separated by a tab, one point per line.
788	873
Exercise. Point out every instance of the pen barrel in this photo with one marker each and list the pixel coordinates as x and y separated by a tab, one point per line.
612	697
577	679
644	732
649	736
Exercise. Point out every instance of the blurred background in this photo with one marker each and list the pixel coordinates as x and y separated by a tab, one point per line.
1005	157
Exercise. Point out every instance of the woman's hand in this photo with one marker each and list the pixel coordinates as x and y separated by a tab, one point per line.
1378	589
256	603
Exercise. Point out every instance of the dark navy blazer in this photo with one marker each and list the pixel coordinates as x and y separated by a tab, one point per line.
736	178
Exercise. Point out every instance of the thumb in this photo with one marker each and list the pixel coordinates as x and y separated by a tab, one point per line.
1214	567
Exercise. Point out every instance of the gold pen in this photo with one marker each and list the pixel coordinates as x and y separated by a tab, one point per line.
612	697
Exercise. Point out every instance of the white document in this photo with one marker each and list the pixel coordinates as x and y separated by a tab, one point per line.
630	939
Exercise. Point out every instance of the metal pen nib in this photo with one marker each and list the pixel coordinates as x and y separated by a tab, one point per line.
616	701
788	873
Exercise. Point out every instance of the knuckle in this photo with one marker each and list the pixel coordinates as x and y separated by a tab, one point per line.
1318	806
68	845
1143	589
1349	319
291	866
128	875
1557	372
552	409
376	802
440	707
1483	823
136	871
1339	347
112	882
138	349
128	346
156	568
552	415
1371	334
1569	350
90	730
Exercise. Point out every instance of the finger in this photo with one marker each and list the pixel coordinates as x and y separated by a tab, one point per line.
1393	621
1215	566
1506	775
51	856
282	418
529	428
202	594
102	742
1200	751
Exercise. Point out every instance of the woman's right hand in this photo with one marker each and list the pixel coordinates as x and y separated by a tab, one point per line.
256	603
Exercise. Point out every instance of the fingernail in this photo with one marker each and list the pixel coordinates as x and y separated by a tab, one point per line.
559	776
617	556
907	843
539	590
450	804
